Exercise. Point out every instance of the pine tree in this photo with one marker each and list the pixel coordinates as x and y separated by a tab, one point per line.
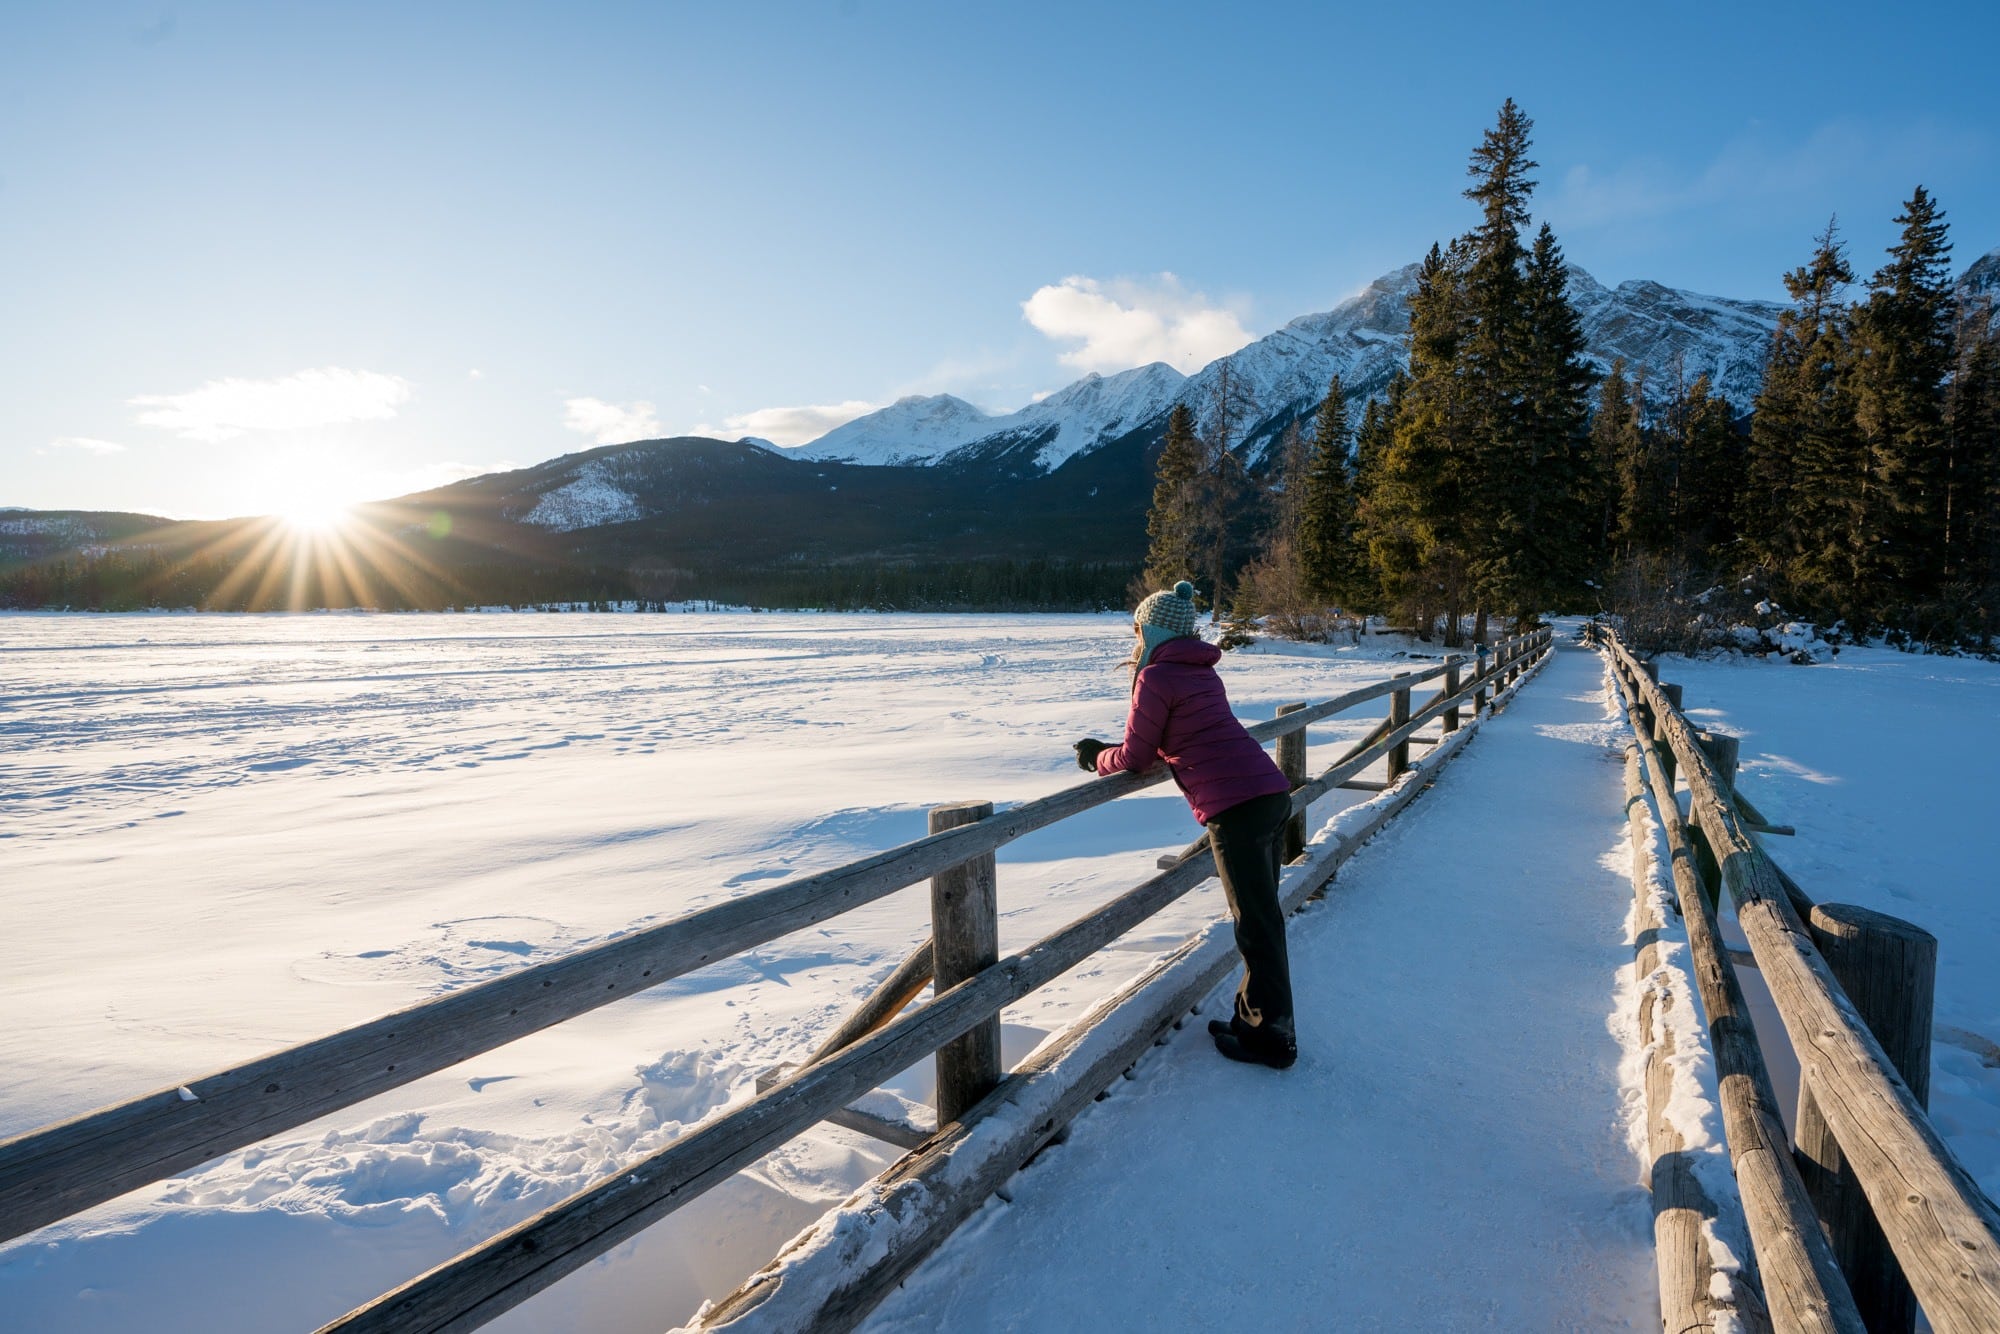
1806	488
1549	531
1903	343
1174	523
1616	445
1372	439
1329	555
1227	521
1707	467
1492	352
1425	485
1973	419
1372	443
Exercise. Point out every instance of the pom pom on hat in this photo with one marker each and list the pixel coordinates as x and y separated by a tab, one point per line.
1184	589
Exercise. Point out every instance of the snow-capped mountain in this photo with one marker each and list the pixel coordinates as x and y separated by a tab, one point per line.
1071	421
1667	332
916	429
1980	285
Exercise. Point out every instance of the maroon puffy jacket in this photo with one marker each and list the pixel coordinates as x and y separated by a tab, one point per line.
1181	715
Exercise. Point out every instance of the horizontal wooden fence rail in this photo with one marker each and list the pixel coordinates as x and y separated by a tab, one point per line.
1802	1285
59	1170
1944	1232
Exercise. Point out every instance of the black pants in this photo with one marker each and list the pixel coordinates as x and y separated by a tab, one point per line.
1249	849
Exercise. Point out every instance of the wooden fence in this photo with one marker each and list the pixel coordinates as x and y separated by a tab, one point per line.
1868	1215
52	1173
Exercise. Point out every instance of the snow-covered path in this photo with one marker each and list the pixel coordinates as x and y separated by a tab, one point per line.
1449	1153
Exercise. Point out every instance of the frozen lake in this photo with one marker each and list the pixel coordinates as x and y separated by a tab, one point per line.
225	834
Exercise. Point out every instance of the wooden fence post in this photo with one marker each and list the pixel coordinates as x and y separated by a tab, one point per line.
1888	968
965	940
1660	746
1292	760
1722	752
1481	664
1399	713
1450	689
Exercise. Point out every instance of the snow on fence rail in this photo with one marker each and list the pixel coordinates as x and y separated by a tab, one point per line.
49	1174
1870	1215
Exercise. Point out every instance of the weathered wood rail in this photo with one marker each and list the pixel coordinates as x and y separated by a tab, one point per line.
52	1173
1870	1214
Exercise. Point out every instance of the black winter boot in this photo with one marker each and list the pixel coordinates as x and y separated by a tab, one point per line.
1254	1046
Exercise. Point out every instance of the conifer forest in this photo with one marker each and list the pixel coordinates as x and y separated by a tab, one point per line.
1501	475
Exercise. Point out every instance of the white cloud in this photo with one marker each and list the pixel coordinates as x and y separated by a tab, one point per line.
87	444
475	374
612	423
225	409
788	426
1122	323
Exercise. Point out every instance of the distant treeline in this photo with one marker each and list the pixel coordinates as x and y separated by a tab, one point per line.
123	580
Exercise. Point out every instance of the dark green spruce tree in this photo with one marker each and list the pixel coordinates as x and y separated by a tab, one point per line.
1554	522
1175	522
1973	419
1424	497
1492	361
1903	346
1332	563
1801	500
1616	444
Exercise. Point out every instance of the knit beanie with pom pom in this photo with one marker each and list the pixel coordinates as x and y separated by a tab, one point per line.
1165	616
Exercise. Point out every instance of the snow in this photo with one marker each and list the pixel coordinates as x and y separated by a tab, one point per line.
225	834
1885	764
914	429
1071	421
1448	1153
590	499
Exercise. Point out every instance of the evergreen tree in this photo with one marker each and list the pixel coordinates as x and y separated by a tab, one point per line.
1903	344
1372	443
1548	533
1174	523
1425	486
1227	521
1801	508
1616	447
1329	555
1705	466
1493	352
1973	420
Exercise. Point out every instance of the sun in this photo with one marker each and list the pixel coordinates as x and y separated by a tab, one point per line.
313	514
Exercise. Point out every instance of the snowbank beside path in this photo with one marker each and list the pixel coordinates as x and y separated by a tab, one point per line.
1451	1150
1888	765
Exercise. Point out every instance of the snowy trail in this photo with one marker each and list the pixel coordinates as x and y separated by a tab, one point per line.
1449	1153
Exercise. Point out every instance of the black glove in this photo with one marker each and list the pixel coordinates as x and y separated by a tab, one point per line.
1087	751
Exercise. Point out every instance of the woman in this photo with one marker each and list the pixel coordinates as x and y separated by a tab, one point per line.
1180	714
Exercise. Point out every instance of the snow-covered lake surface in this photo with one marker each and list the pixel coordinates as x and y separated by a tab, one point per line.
1888	764
222	835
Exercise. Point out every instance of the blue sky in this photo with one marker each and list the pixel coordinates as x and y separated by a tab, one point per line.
254	253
